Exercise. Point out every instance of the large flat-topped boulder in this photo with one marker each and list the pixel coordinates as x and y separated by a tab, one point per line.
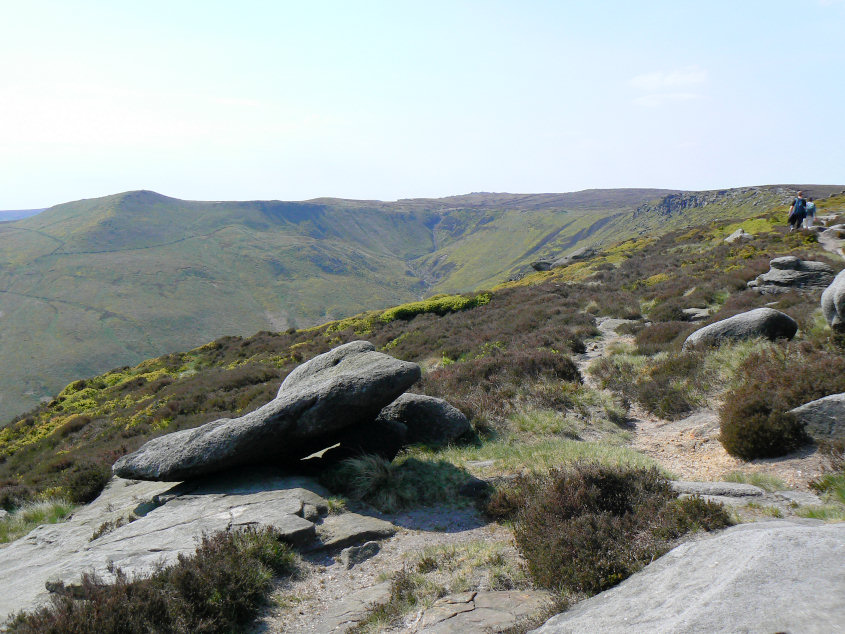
760	322
833	302
789	272
342	388
824	418
138	524
778	576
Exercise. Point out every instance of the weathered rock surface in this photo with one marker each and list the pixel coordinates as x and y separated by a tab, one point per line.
579	254
490	611
777	576
788	273
833	302
143	523
339	616
345	387
426	419
824	418
696	314
356	554
738	236
760	322
725	489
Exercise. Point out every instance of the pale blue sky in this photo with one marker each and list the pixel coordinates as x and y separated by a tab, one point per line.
390	99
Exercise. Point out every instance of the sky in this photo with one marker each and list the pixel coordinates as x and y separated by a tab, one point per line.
214	100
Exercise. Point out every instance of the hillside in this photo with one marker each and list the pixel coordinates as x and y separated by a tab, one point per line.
580	364
98	283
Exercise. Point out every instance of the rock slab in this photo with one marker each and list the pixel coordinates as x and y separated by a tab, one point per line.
789	272
776	576
824	418
139	524
760	322
477	612
833	302
345	387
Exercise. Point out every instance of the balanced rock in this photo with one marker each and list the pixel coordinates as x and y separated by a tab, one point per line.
833	302
760	322
427	419
345	387
776	576
824	418
788	273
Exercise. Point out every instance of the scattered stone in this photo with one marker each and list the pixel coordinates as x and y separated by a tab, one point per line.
789	273
427	419
696	314
3	514
347	529
760	322
824	418
724	489
833	302
490	611
775	576
738	236
345	387
356	554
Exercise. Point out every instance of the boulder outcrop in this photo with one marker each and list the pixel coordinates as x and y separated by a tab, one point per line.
426	419
790	273
343	388
824	418
579	254
833	302
738	236
777	576
760	322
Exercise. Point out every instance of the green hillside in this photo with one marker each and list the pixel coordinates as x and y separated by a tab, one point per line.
94	284
503	357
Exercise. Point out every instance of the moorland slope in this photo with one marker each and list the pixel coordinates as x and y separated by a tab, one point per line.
94	284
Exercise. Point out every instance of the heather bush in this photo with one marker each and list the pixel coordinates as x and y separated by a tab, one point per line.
219	589
586	528
755	419
662	336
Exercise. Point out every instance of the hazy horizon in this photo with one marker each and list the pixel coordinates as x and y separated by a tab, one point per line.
381	100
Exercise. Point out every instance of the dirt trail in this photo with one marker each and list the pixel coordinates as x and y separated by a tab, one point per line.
689	448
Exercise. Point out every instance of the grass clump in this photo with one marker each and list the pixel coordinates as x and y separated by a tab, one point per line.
765	481
219	589
585	528
22	520
393	486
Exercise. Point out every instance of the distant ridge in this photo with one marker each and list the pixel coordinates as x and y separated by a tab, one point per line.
17	214
93	284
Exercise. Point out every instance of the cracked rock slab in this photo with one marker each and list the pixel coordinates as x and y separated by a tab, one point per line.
160	520
483	611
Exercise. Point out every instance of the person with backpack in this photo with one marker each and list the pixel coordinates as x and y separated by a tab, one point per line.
797	212
809	213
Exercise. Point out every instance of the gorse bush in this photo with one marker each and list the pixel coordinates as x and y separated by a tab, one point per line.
586	528
755	418
219	589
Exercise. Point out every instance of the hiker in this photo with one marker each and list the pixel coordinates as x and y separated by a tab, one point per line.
809	213
797	211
